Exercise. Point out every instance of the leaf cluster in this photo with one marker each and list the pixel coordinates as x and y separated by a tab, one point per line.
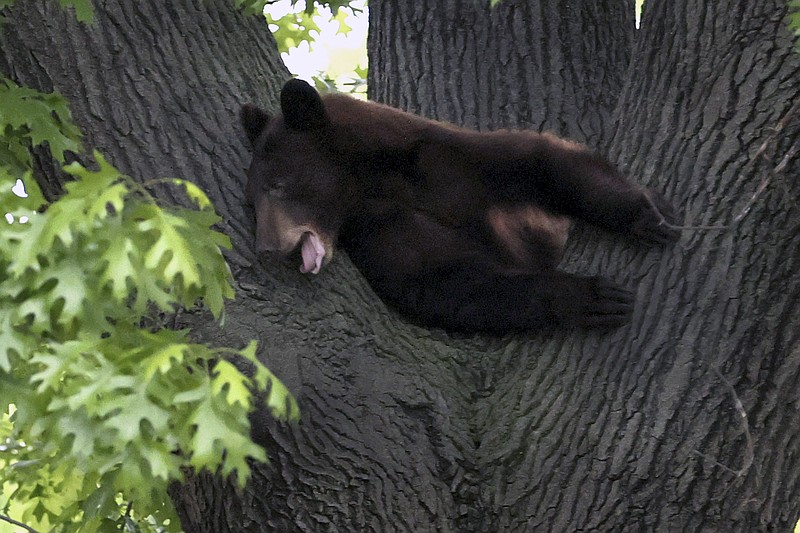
29	118
107	405
299	26
794	18
84	11
257	6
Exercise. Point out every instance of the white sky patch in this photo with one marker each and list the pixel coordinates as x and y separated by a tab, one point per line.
19	189
332	53
639	4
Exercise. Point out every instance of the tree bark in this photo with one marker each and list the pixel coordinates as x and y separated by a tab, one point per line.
406	429
544	65
639	430
157	88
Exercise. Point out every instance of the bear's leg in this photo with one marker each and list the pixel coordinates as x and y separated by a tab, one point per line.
585	186
589	188
468	299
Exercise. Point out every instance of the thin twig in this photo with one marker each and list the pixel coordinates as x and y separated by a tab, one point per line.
765	181
663	221
760	153
749	450
785	161
18	524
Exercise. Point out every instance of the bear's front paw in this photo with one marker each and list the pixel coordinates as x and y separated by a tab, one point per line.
658	220
608	305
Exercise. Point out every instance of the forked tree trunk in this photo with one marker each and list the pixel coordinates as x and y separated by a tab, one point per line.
406	429
639	430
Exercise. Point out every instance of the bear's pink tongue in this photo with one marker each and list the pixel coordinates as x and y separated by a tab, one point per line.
313	252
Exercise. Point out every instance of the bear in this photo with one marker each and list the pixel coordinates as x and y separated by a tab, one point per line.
454	228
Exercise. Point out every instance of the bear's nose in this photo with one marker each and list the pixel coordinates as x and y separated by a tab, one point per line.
268	256
264	247
266	253
268	239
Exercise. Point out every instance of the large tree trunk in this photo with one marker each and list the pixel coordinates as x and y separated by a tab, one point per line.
639	430
544	65
384	443
406	429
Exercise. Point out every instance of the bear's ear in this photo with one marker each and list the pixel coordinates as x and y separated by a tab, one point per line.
302	106
254	120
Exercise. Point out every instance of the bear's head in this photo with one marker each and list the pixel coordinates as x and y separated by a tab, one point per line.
297	183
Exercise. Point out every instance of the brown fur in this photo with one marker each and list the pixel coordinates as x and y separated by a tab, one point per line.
454	227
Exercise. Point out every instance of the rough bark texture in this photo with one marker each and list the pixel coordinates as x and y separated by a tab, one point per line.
544	65
405	429
639	430
156	87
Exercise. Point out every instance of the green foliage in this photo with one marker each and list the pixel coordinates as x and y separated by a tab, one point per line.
108	407
794	18
356	84
306	23
30	118
84	11
257	6
292	29
105	407
298	26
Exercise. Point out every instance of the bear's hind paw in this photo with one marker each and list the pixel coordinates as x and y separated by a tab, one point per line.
609	305
658	222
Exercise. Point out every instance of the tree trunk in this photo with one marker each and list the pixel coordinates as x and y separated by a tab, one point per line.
406	429
638	430
544	65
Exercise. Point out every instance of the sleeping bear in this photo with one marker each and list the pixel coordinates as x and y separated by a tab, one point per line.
454	228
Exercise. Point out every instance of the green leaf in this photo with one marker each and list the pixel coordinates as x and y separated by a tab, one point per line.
341	18
38	117
279	400
164	359
19	193
217	436
76	424
116	265
162	461
292	29
194	192
69	290
84	11
104	395
91	184
171	253
58	362
126	413
192	396
150	290
12	341
229	383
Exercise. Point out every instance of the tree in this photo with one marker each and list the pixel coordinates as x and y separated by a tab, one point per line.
103	395
643	429
405	429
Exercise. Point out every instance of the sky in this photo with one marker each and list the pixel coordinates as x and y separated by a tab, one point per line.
335	53
331	52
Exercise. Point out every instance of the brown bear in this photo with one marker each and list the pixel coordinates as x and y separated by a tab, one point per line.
454	228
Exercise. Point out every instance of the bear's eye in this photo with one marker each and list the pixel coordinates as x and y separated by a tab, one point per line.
275	190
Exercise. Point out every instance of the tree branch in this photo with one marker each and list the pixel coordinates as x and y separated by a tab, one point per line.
749	450
765	181
18	524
